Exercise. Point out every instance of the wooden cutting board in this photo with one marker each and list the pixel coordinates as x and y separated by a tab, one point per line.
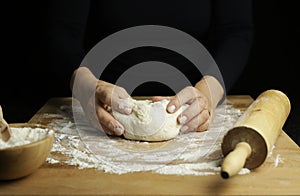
68	180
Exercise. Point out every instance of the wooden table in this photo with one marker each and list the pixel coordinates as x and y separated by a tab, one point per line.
67	180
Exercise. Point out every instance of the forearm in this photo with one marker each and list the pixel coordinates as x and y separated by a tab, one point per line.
232	56
83	84
232	38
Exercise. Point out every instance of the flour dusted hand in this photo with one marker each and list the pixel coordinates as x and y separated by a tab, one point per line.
149	121
97	97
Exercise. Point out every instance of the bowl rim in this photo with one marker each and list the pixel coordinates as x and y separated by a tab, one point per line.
32	125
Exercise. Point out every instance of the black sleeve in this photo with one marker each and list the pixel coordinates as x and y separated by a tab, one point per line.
66	23
232	37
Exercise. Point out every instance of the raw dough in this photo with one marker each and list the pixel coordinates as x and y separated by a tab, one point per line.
149	121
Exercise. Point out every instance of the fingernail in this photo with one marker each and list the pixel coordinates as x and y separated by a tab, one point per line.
182	119
123	105
118	131
128	110
184	128
171	108
116	127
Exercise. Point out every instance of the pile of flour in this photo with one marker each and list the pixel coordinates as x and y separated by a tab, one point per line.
196	153
24	135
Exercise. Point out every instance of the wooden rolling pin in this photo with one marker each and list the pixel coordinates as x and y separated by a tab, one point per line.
249	141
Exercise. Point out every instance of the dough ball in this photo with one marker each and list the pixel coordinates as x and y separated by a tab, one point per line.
149	121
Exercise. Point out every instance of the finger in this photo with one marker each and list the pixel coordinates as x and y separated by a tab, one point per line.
204	126
91	114
106	130
110	123
193	110
186	95
123	106
114	97
159	98
120	101
120	92
194	123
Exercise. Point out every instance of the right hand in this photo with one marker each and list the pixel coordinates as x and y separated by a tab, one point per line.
111	96
97	97
107	97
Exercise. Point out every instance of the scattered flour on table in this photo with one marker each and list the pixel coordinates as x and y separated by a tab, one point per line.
277	159
197	153
24	135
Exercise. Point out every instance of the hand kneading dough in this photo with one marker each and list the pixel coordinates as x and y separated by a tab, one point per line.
149	121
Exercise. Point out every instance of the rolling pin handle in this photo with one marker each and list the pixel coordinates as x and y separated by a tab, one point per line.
235	160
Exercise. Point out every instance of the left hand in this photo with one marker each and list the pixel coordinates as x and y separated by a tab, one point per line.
199	113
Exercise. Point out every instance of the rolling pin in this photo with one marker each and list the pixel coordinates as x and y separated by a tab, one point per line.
249	141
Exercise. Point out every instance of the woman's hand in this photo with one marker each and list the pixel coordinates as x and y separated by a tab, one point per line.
97	98
197	116
202	100
109	96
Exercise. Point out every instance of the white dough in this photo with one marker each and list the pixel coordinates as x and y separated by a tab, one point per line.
149	121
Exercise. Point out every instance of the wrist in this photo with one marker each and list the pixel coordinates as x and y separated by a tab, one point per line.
212	89
83	84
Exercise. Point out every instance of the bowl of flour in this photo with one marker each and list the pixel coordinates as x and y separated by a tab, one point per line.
25	151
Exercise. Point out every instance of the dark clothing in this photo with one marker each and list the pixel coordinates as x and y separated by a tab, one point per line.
223	27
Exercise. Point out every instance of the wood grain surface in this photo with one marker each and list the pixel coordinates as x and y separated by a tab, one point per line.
284	179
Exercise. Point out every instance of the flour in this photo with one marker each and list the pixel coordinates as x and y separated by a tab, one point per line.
275	157
80	145
24	135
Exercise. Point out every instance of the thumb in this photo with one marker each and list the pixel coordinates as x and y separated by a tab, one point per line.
121	100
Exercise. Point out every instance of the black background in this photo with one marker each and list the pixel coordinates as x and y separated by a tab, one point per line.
26	84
